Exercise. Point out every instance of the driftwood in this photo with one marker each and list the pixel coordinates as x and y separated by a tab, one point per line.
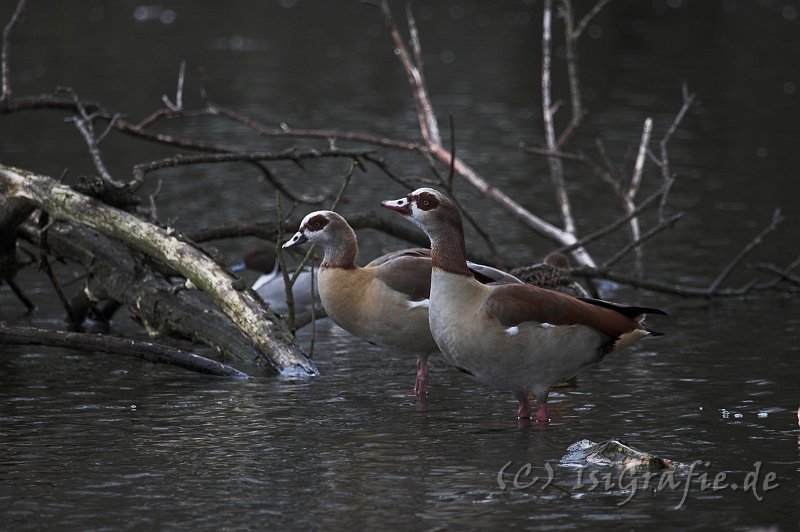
158	354
114	273
257	323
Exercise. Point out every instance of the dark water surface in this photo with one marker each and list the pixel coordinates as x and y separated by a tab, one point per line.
97	442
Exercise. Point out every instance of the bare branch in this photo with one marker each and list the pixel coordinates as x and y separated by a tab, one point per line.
666	288
591	237
288	281
5	82
629	196
94	343
313	133
784	274
29	306
636	179
635	244
571	37
429	127
589	16
777	218
663	161
111	125
44	263
556	168
85	124
177	107
292	154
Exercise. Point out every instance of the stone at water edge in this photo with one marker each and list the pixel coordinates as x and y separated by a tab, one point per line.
613	453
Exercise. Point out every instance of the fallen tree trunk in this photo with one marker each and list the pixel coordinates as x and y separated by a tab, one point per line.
156	353
275	343
118	274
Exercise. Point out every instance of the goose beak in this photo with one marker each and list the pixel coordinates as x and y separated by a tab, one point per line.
402	205
296	240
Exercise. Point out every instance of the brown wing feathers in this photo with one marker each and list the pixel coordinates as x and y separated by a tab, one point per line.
515	304
409	274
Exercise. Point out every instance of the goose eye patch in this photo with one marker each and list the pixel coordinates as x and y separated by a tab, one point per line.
427	201
317	223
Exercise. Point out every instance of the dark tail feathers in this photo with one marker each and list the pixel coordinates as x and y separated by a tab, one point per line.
630	312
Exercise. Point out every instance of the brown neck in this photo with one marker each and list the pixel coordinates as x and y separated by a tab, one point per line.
448	250
343	253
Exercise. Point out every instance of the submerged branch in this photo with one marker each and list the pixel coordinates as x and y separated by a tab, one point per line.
151	352
777	218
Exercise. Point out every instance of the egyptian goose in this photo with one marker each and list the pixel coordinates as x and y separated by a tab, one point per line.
384	302
270	285
552	273
518	337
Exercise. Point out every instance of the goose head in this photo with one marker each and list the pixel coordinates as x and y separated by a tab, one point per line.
438	216
330	232
429	209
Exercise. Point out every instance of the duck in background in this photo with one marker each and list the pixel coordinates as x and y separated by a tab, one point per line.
552	273
263	258
517	337
384	302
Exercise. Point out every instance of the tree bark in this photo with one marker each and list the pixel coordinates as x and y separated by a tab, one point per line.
116	273
274	342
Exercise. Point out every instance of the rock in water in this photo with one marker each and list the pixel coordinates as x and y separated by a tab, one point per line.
613	453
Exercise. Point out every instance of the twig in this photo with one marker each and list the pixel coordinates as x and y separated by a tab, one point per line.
577	157
777	218
629	195
173	110
427	119
666	288
345	183
292	154
571	38
265	231
156	353
176	107
451	170
663	160
591	237
288	281
380	163
635	244
44	263
153	208
556	168
85	124
29	306
313	317
289	132
784	274
589	16
5	84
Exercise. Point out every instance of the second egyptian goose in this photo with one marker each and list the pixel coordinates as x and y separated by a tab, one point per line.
518	337
384	302
270	285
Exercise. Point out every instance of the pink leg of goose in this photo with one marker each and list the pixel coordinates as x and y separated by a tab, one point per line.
421	385
524	410
543	413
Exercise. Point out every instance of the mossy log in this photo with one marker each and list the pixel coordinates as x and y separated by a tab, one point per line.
274	344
